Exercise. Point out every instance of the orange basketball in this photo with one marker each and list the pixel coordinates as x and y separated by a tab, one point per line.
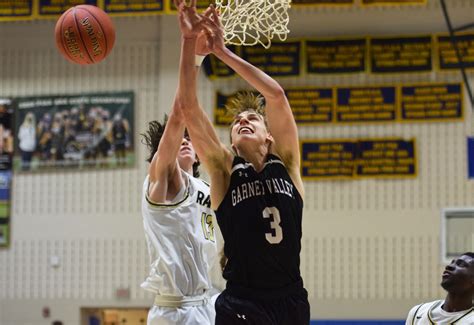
85	34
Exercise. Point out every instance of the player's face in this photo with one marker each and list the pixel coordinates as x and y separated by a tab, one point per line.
248	126
186	154
458	276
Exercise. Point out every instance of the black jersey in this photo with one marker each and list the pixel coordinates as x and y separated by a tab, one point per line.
260	219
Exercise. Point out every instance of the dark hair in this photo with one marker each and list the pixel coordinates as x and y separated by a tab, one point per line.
470	254
152	137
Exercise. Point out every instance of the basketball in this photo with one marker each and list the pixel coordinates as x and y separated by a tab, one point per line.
85	34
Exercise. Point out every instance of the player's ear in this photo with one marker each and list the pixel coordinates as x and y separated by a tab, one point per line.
234	149
269	138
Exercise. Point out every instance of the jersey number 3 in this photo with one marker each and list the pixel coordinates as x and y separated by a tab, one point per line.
276	236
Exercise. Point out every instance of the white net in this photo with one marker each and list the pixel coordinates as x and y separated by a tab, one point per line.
249	22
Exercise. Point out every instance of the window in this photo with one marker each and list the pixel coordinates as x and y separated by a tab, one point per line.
457	232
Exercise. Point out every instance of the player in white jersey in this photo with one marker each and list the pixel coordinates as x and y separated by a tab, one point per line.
457	308
179	229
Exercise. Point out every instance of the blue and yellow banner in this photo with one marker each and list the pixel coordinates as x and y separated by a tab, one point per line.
447	56
327	159
132	8
311	105
366	104
52	8
221	116
358	158
431	102
336	56
321	2
386	158
470	157
393	2
215	68
282	59
200	5
401	54
16	9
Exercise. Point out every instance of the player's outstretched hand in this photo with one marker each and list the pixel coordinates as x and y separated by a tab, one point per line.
214	30
201	42
189	20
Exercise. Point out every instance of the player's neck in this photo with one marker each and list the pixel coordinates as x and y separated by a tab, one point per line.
255	156
455	302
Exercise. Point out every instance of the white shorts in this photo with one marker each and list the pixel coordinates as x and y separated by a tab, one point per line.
189	315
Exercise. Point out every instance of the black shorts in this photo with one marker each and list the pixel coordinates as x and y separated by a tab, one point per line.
289	310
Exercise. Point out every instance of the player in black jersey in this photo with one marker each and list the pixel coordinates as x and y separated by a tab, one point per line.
256	190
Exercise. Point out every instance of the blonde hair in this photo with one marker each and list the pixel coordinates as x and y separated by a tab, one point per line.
246	101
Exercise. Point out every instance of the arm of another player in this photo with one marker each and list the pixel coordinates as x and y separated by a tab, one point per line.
215	157
164	172
281	123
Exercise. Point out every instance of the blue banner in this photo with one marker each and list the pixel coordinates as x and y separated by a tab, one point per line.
448	58
366	104
56	8
311	105
336	56
327	159
386	158
215	68
16	9
282	59
402	54
470	156
435	102
133	7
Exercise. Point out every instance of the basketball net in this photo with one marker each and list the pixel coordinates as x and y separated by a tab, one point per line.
249	22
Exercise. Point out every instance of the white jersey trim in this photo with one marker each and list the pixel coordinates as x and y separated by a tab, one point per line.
247	165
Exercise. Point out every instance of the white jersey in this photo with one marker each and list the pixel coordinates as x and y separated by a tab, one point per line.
181	241
431	313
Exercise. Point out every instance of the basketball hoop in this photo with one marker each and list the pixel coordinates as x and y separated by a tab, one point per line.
249	22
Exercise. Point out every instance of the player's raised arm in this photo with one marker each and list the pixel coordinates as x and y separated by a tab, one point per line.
216	158
165	179
281	123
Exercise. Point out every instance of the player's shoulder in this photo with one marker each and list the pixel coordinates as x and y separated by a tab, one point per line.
197	182
420	309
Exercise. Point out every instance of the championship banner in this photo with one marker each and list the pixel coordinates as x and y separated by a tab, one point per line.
200	5
221	116
336	56
311	105
16	9
386	158
448	59
53	8
282	59
401	54
393	2
366	104
5	206
470	157
133	8
6	134
74	131
432	102
215	68
328	159
321	2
